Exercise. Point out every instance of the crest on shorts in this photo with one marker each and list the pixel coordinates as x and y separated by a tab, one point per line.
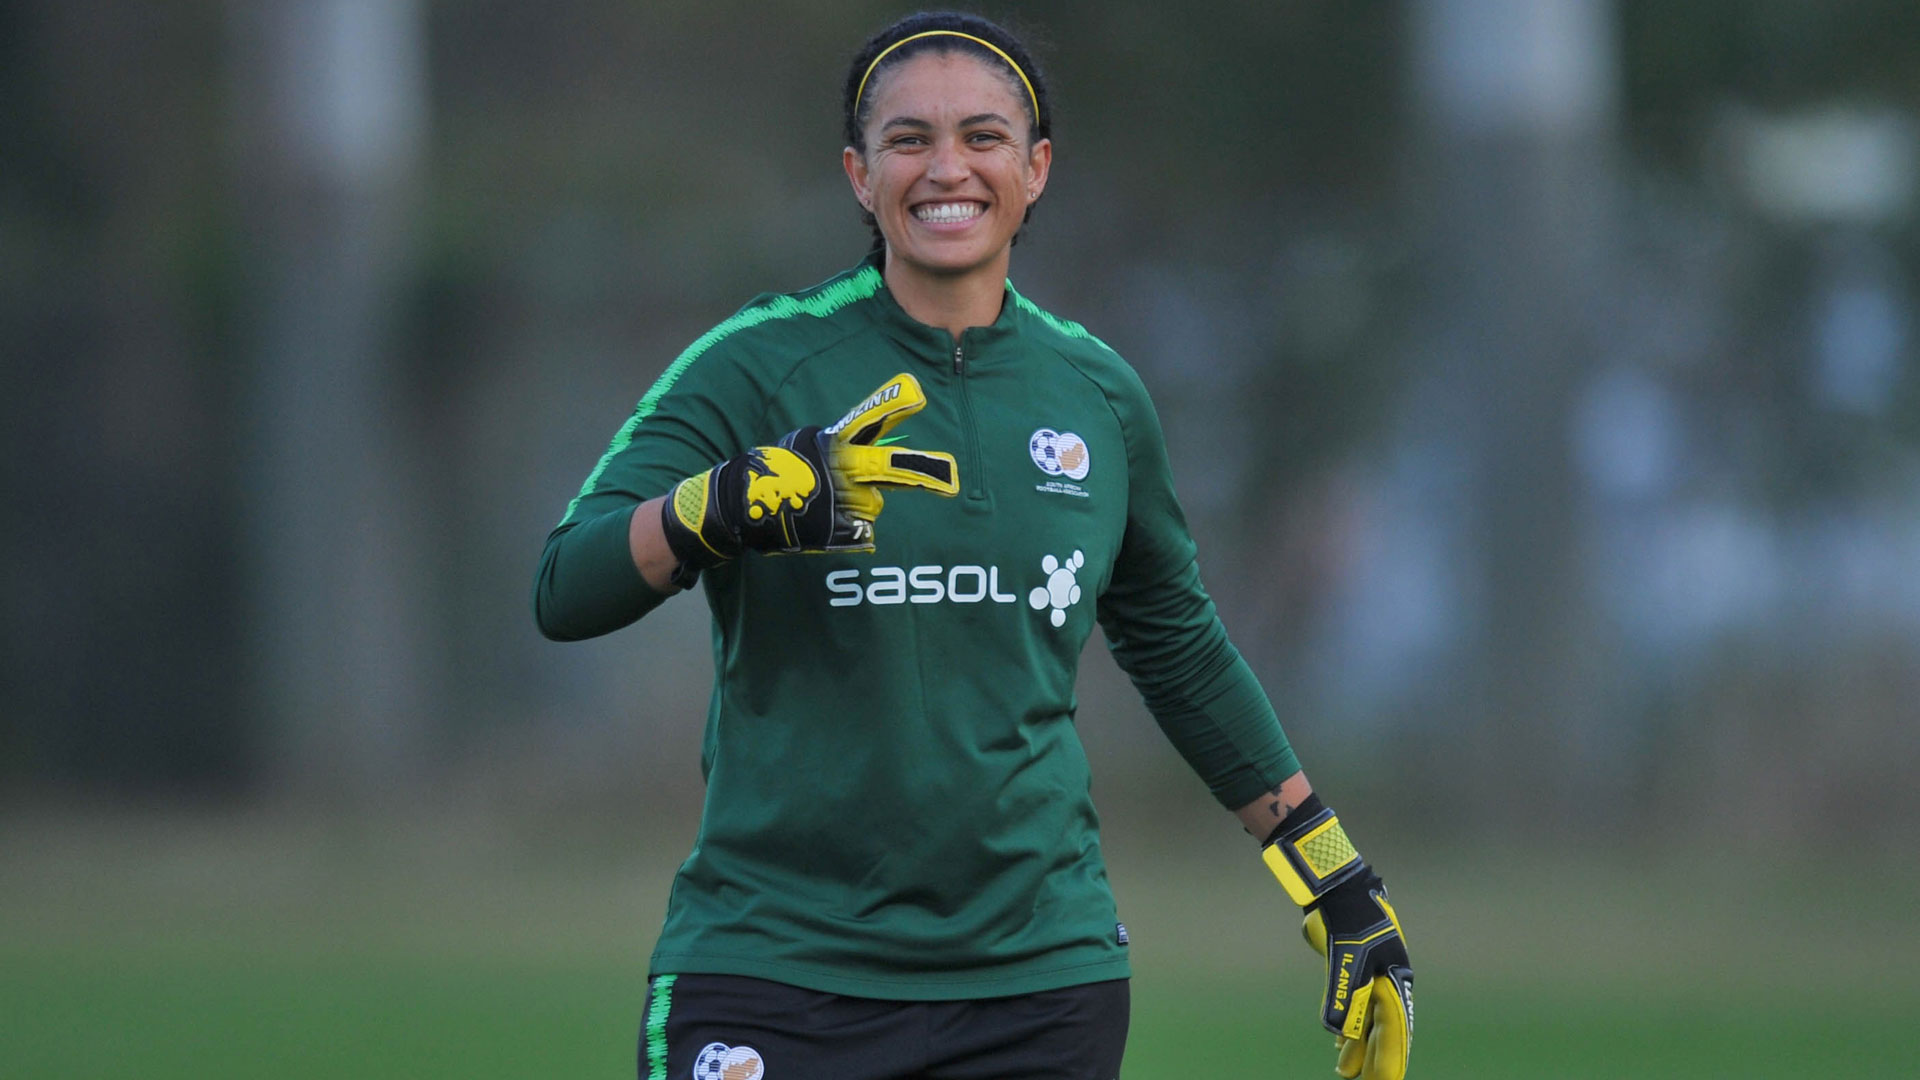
718	1061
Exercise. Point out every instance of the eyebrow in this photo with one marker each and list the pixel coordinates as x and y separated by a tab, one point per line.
918	124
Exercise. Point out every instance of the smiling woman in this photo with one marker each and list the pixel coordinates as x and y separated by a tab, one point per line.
898	874
948	149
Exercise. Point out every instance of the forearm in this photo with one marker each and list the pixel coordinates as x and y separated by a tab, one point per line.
647	543
1211	707
1167	638
589	582
1264	814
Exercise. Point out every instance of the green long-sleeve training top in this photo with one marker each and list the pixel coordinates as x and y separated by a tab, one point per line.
897	804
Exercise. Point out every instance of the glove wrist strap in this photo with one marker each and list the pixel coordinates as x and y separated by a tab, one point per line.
696	533
1309	853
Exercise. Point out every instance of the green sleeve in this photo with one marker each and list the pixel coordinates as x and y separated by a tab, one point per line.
1165	634
702	410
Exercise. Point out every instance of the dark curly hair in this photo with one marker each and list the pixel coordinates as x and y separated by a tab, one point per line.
856	109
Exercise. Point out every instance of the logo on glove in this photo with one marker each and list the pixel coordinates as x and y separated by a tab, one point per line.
880	397
778	480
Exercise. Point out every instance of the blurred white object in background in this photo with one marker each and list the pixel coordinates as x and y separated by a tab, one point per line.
1835	165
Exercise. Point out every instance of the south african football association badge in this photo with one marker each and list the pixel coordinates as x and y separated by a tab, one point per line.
718	1061
1061	454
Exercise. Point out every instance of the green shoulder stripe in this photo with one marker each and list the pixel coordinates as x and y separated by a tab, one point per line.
1064	326
819	303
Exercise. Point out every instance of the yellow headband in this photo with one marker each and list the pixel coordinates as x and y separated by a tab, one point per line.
995	49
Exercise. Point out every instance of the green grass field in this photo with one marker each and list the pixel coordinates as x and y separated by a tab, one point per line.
265	948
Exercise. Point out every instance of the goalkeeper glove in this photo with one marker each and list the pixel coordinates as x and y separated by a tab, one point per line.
1368	1001
819	489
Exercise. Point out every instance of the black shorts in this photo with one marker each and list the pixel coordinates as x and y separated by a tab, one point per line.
726	1027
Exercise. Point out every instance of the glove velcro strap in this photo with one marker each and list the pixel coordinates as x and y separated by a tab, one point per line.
1313	855
692	523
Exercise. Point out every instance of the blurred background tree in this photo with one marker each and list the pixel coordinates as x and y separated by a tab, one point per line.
1539	378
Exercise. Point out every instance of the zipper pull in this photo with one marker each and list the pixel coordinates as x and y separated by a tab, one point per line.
957	360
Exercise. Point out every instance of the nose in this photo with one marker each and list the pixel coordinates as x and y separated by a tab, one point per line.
949	164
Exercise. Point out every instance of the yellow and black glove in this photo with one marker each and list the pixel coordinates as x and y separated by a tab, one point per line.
819	489
1368	1001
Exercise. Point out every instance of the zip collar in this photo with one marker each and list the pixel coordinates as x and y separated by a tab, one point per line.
936	344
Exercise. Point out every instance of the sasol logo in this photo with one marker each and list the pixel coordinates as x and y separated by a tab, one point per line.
959	585
1062	590
918	585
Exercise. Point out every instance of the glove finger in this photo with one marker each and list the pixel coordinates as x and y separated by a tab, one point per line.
859	501
897	399
1314	929
1390	1030
1358	1006
1352	1056
898	466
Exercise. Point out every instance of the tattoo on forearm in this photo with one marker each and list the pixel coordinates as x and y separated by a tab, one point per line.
1279	807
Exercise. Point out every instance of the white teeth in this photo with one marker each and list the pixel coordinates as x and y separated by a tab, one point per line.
947	213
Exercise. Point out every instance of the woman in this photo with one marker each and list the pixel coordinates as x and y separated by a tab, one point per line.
898	872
